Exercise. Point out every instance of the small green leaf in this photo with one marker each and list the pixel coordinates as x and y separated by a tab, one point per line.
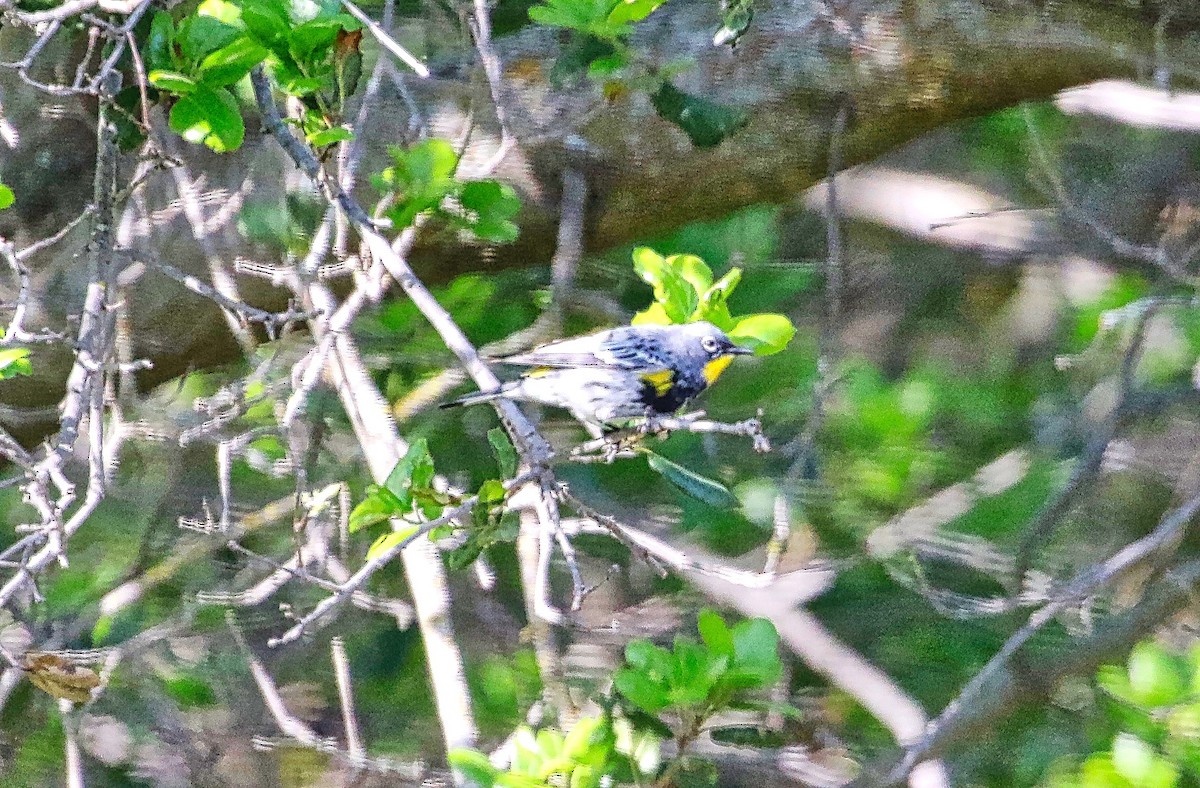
315	34
473	765
699	487
158	55
692	270
422	177
7	197
14	361
199	36
413	472
491	492
705	122
491	206
221	11
654	661
389	540
764	334
578	56
756	649
1156	678
1137	761
648	695
211	117
230	63
379	504
330	137
172	81
502	448
653	315
627	11
712	302
585	16
267	21
716	635
678	298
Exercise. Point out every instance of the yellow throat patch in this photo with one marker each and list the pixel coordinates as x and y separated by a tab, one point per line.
714	368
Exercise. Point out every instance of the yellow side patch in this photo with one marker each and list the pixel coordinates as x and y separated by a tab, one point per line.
714	368
661	380
539	372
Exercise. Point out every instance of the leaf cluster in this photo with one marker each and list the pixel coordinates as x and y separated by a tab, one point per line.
408	495
687	684
599	48
312	50
1155	701
695	680
684	292
423	180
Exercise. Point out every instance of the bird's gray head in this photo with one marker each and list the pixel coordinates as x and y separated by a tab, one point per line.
705	339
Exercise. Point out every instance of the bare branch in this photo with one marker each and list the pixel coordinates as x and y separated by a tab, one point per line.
1084	584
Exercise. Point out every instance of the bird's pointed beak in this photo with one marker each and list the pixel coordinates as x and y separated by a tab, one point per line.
738	350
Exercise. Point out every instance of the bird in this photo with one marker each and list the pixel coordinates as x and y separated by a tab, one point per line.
620	373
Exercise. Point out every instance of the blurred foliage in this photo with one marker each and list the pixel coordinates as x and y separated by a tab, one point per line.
690	683
1149	716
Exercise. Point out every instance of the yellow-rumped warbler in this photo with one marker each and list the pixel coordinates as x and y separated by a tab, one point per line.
621	373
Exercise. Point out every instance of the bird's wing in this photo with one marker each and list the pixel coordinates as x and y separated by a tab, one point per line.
618	348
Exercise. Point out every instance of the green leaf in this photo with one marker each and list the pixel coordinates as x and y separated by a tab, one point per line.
473	765
230	63
756	649
221	11
705	122
200	36
211	117
1136	761
491	492
677	297
692	270
716	635
172	81
578	56
628	11
158	55
654	661
389	540
267	21
646	694
329	136
316	34
422	177
379	504
1156	678
14	361
653	315
585	16
7	197
493	205
699	487
413	472
714	298
764	334
502	448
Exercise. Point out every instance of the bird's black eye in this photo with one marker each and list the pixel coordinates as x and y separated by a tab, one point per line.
710	344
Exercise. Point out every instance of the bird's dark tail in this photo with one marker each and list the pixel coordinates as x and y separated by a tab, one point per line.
474	398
